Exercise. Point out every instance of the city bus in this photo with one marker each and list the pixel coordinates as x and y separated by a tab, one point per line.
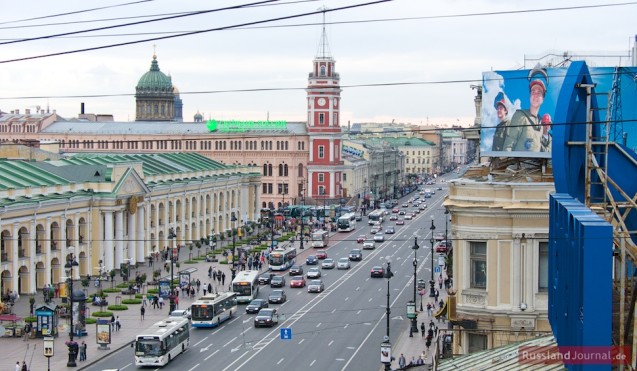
212	309
246	286
375	216
282	259
161	342
347	222
320	238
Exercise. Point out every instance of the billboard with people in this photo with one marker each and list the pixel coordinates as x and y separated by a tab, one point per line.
518	108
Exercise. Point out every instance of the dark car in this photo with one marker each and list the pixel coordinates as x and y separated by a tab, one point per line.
296	270
311	260
267	317
390	230
277	296
277	281
355	254
264	279
377	271
256	305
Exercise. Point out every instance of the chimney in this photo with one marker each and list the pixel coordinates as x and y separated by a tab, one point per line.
27	111
82	108
17	111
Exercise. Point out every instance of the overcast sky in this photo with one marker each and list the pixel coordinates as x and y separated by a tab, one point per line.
437	49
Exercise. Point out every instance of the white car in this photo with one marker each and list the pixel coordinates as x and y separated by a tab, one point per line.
379	237
408	217
313	273
343	263
368	245
182	313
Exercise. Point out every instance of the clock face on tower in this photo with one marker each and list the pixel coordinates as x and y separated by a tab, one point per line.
321	101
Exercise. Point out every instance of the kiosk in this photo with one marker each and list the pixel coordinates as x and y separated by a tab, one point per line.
47	321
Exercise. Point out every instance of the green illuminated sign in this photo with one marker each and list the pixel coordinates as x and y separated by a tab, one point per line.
242	126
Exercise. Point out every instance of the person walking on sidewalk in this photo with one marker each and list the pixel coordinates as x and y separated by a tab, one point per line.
142	310
223	278
83	351
401	361
422	328
209	288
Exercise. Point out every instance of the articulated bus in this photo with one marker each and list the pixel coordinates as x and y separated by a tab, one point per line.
246	286
375	216
282	259
212	309
347	222
163	341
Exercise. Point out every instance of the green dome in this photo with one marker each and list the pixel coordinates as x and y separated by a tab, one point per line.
155	80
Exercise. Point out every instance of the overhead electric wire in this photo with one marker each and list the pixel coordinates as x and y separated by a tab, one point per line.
195	32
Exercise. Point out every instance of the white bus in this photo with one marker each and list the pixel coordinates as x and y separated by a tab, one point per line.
282	259
320	238
212	309
375	216
246	286
163	341
347	222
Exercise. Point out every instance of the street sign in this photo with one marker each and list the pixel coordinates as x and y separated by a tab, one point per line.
286	333
437	269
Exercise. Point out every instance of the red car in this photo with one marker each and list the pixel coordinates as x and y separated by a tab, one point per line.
395	211
297	281
360	239
321	254
377	271
400	222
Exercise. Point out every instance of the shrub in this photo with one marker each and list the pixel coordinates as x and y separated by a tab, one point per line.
112	290
102	314
90	321
191	262
123	285
131	301
139	296
31	319
118	307
153	291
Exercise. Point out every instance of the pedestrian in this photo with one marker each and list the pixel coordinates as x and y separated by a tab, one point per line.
401	361
214	275
209	288
223	278
429	309
160	301
436	295
219	276
422	328
112	323
27	331
118	324
204	291
440	282
24	366
142	310
441	304
83	351
17	366
143	301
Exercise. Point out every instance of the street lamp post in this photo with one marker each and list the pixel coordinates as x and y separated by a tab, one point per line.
446	227
233	267
302	217
73	348
272	228
171	297
387	344
414	320
432	290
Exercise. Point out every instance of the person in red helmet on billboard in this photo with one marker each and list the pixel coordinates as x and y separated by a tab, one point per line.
546	132
501	129
525	130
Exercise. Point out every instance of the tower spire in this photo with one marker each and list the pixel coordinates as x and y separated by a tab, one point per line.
323	51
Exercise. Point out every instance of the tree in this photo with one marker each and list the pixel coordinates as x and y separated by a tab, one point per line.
112	274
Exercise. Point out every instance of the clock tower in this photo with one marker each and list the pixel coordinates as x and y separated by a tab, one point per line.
325	167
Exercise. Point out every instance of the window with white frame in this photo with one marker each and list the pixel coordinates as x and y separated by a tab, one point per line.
478	264
321	150
321	177
543	267
321	119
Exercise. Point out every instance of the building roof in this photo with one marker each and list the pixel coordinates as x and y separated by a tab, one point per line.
157	128
408	141
154	80
505	358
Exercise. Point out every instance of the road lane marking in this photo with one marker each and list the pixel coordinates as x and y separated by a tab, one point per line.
318	324
347	324
194	367
359	311
213	353
281	360
330	343
206	348
125	366
201	341
233	339
302	340
312	363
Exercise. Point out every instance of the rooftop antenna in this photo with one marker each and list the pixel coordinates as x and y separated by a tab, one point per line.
324	48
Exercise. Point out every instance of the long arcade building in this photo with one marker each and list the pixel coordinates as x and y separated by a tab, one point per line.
110	209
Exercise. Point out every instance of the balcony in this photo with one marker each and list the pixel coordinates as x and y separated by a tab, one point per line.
21	253
38	249
5	257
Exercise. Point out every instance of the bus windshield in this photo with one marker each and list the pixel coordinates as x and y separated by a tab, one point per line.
276	259
201	312
149	347
242	289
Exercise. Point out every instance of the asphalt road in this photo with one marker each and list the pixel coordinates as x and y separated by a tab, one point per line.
339	329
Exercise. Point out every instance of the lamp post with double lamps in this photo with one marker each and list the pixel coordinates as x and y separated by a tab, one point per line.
233	268
386	345
171	296
73	348
432	289
414	319
272	229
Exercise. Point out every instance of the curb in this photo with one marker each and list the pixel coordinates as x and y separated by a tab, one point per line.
111	351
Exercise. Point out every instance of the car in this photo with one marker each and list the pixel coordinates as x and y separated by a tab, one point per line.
343	263
402	212
408	217
297	281
415	211
296	270
315	286
358	217
361	238
374	230
328	263
390	230
400	222
405	205
379	237
422	207
395	210
313	273
393	217
356	255
277	296
256	305
433	192
181	313
369	245
264	278
277	281
440	188
267	317
321	254
439	236
377	271
443	246
311	260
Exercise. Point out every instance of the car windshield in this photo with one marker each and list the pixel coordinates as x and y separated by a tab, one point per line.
328	260
356	251
315	282
266	312
297	278
343	260
256	302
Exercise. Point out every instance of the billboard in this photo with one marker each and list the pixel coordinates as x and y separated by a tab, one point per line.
518	108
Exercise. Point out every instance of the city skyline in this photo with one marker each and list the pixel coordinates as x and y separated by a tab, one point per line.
383	53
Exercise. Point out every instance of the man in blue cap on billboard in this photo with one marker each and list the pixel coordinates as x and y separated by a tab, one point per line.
525	130
501	130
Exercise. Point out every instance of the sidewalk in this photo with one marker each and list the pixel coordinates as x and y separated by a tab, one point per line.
16	349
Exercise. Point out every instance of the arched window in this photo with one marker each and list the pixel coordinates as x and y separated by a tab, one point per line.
323	70
280	169
285	170
265	169
270	169
300	175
